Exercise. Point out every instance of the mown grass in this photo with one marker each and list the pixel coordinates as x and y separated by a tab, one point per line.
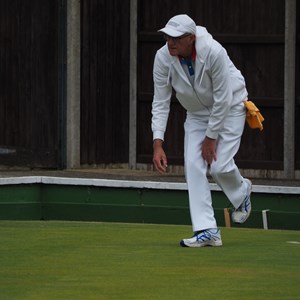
80	260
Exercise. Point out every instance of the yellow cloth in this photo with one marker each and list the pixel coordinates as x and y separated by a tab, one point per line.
253	117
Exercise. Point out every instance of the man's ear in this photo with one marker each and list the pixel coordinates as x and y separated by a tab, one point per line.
193	38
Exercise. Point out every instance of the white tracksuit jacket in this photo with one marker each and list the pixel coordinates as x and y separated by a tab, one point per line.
214	89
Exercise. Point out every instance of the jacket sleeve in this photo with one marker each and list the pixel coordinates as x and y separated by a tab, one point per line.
161	98
222	92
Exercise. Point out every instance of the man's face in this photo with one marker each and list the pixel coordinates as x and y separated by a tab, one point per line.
182	45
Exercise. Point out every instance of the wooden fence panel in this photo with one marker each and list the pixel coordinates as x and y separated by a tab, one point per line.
297	111
252	31
105	81
29	76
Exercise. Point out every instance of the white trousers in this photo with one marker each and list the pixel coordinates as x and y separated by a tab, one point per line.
224	170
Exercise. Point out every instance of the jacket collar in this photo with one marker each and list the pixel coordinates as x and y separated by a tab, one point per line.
203	43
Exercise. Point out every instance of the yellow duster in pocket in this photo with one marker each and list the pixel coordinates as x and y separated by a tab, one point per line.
253	116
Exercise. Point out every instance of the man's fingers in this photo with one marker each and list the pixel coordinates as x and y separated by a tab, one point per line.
160	165
209	157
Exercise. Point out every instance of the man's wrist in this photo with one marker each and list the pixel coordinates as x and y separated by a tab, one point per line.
157	142
209	138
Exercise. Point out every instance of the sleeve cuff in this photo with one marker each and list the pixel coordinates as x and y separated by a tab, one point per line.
158	135
211	134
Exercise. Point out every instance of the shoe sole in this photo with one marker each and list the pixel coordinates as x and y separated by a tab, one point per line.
248	215
204	244
244	219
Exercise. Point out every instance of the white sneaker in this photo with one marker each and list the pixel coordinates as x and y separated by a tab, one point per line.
208	237
241	214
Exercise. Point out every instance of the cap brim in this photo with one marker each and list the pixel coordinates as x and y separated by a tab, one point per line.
171	32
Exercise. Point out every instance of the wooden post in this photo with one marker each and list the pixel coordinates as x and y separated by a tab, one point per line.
289	88
73	84
132	84
227	217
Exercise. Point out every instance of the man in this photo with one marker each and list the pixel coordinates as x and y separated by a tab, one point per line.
212	90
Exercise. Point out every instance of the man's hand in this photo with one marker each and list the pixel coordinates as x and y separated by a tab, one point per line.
159	157
209	150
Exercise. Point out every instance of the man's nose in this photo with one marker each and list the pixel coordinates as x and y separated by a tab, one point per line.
171	41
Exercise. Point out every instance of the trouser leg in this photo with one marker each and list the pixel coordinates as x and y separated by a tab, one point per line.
224	171
200	201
